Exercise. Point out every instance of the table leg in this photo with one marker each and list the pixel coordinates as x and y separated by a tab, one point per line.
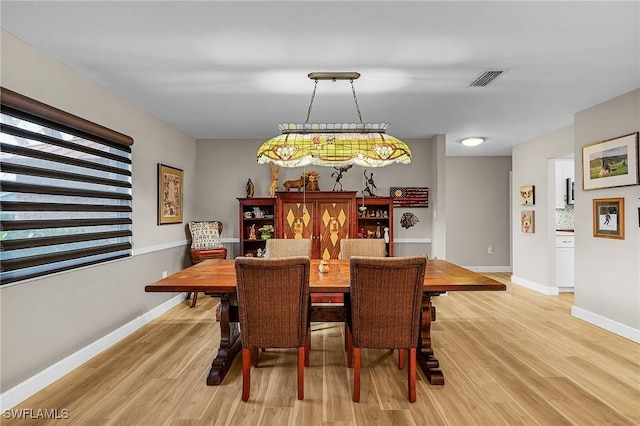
426	359
230	343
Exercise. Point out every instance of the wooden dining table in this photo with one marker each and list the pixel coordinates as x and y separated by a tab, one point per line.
217	278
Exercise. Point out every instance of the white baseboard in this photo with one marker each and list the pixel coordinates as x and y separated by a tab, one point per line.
489	268
607	324
34	384
550	291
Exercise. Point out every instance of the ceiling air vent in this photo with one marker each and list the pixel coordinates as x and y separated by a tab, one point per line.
485	78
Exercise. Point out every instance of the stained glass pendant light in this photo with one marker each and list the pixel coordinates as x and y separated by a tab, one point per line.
334	144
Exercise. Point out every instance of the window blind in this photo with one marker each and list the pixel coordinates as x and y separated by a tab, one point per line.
65	197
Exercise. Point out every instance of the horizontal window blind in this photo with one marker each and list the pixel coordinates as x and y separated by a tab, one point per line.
65	197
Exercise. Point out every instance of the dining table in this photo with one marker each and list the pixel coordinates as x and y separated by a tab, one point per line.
217	278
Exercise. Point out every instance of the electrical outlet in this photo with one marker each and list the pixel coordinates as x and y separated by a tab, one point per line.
490	250
164	274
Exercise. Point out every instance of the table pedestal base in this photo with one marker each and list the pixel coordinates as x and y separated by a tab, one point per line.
425	357
230	341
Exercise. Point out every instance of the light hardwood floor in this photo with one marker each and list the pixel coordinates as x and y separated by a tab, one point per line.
509	358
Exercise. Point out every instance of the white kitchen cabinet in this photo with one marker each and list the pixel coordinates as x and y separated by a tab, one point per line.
565	269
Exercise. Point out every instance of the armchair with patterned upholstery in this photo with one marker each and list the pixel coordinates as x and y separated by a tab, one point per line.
205	244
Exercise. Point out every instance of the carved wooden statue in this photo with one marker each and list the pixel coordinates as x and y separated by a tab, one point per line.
275	171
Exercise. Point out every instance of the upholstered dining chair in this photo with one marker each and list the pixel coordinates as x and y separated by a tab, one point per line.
375	247
384	310
273	306
205	244
286	247
364	247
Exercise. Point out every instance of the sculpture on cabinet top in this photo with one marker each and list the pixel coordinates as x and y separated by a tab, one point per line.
370	186
312	181
275	172
249	189
339	172
308	182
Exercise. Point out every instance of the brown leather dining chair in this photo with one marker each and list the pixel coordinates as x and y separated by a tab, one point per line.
384	310
273	308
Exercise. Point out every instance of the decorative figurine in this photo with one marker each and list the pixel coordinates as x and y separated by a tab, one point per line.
312	181
323	266
386	235
339	171
275	171
249	189
259	253
369	189
266	232
252	232
257	213
299	183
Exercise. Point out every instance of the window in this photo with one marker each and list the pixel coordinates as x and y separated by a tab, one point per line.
65	190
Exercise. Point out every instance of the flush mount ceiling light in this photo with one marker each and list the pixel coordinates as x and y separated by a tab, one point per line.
334	144
472	141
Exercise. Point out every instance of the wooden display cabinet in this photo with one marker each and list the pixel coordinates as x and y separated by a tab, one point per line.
247	220
326	217
374	215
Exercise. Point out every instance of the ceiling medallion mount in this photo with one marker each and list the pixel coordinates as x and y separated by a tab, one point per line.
334	144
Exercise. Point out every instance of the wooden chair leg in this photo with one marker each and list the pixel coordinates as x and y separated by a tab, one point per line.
256	354
349	339
301	363
412	375
356	374
195	299
307	347
246	373
401	358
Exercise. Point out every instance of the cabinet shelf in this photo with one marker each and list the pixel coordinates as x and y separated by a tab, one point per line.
377	216
249	207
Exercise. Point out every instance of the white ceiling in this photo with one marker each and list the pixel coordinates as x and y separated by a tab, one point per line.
219	70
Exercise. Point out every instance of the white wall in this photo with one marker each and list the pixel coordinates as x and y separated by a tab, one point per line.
607	272
607	289
532	263
478	212
45	320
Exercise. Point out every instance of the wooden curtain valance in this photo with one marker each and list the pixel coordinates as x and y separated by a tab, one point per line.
38	109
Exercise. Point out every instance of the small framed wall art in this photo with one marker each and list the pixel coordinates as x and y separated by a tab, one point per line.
608	218
527	221
170	206
527	195
610	163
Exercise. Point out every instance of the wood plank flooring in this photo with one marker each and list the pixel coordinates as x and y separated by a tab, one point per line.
509	358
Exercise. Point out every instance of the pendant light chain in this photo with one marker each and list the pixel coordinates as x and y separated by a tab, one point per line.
355	99
313	95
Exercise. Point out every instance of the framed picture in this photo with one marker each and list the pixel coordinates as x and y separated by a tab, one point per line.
527	221
610	163
170	181
527	195
608	218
